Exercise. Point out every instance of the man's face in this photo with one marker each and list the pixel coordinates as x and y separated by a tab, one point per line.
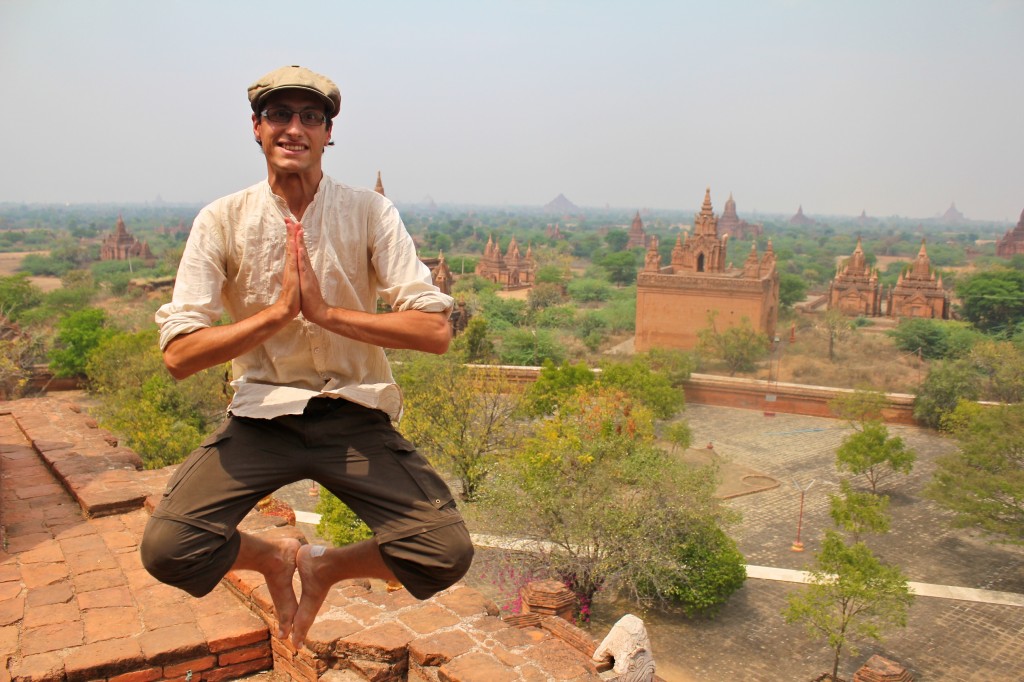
292	147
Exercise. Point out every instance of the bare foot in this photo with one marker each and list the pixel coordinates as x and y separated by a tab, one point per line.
311	563
279	582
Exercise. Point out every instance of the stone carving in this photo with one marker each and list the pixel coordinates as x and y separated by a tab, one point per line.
628	645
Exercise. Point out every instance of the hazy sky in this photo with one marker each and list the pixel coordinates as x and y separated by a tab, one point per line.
897	107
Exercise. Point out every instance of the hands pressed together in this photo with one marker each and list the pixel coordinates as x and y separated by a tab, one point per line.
300	289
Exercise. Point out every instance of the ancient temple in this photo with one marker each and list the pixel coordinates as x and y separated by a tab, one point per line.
799	218
731	224
379	187
637	236
512	269
918	291
952	215
1012	243
855	289
673	302
122	245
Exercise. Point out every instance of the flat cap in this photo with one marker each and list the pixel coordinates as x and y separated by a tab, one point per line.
295	78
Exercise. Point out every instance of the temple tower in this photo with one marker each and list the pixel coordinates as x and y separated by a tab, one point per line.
855	290
1012	243
637	236
919	291
673	302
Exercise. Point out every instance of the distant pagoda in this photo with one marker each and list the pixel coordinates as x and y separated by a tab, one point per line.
637	236
799	218
952	215
511	270
122	245
729	223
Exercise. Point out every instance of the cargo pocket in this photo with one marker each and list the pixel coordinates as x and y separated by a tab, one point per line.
434	489
199	455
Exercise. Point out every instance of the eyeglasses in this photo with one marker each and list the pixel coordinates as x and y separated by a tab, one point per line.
308	117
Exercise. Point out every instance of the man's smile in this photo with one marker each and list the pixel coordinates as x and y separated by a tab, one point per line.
292	147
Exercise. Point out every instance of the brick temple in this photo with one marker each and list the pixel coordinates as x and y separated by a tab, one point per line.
637	236
919	291
855	290
673	302
1012	243
512	269
729	223
122	245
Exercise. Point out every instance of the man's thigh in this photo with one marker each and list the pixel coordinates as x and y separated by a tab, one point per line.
382	477
235	467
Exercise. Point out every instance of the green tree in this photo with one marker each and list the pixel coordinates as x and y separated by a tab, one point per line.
934	339
859	407
948	382
792	289
993	299
837	327
851	595
586	481
338	523
529	347
543	295
858	513
652	389
78	335
620	266
983	483
616	240
871	452
17	294
474	343
739	347
463	418
589	290
554	385
161	419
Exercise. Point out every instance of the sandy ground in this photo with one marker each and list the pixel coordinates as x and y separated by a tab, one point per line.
9	263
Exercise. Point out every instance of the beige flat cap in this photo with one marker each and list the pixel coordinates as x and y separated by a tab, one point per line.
295	78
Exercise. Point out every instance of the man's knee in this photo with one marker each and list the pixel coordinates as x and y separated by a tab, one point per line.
186	557
430	562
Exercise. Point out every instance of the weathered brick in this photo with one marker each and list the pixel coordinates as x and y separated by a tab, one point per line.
50	614
231	630
324	633
476	667
44	553
386	642
173	643
111	622
438	649
234	672
102	659
466	601
147	675
428	618
98	580
56	593
244	654
40	575
194	666
98	599
51	638
44	667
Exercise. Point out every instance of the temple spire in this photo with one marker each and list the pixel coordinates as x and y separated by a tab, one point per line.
379	188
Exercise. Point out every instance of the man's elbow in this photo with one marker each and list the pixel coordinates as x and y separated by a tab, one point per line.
440	338
177	370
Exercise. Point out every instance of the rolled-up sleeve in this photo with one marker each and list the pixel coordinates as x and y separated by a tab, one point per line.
404	281
196	302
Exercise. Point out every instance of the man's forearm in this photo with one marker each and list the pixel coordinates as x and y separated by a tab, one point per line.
405	329
190	353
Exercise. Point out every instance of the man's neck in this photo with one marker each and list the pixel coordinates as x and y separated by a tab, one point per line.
297	189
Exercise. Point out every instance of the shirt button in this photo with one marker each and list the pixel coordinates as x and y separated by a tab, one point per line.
316	350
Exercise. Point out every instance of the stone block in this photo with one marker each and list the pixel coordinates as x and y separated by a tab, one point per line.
387	643
170	644
45	667
437	649
102	659
52	638
228	630
428	618
476	667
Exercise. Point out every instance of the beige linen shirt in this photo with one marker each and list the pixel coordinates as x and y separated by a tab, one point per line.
234	261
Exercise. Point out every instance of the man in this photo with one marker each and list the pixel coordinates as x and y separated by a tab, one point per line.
298	261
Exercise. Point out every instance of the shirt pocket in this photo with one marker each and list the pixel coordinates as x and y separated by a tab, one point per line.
433	487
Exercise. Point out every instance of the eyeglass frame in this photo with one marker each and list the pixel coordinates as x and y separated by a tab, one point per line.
291	114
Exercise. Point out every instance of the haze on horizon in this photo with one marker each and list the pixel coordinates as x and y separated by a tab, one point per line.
895	108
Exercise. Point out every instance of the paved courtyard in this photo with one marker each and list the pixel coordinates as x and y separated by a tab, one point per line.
958	641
